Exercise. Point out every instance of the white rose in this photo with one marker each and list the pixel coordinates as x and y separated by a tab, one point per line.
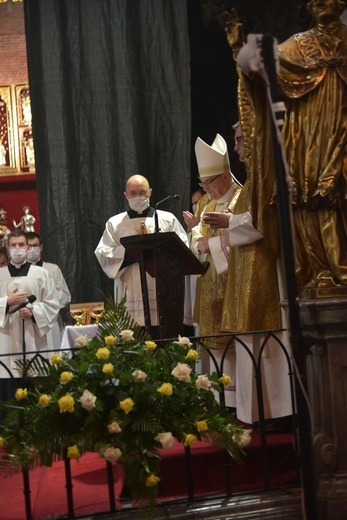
114	427
166	439
184	341
112	454
182	372
81	341
203	383
126	335
87	400
139	376
242	439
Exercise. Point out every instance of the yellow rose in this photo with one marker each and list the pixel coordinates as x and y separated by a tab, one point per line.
108	368
73	452
225	380
21	393
192	354
165	389
109	340
150	345
65	377
152	480
189	439
66	404
127	404
102	353
2	442
56	359
201	426
44	400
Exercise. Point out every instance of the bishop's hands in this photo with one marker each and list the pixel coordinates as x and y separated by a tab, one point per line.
217	219
233	29
190	219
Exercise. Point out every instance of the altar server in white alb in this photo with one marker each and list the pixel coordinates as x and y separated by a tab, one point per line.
34	253
24	330
113	257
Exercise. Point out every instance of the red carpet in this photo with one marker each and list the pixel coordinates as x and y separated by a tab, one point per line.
90	492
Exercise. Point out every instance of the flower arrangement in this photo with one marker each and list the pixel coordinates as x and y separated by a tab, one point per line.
122	395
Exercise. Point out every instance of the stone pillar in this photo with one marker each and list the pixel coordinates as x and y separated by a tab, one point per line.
324	325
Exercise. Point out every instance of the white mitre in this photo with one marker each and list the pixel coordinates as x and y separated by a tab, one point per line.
212	160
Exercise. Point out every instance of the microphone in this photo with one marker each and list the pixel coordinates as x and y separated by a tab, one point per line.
16	308
176	197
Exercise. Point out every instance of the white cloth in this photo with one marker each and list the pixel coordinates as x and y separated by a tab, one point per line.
274	370
72	332
241	230
110	254
275	378
54	335
45	311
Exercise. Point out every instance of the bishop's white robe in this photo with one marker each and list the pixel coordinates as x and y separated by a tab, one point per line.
17	334
111	253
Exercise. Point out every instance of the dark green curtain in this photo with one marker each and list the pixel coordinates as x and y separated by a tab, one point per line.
110	92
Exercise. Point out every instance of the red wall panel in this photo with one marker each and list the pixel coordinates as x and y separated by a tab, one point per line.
17	191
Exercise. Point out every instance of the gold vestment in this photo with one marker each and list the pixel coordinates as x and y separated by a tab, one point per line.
210	286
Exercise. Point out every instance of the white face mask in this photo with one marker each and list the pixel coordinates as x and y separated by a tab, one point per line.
33	254
139	204
18	256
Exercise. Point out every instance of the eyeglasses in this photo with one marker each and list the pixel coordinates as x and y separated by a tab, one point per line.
207	183
238	139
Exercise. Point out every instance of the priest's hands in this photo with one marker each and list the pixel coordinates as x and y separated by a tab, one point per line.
25	313
16	297
142	230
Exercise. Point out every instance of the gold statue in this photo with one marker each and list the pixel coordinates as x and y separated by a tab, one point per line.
313	80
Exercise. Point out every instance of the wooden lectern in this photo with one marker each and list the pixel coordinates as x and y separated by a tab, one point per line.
166	258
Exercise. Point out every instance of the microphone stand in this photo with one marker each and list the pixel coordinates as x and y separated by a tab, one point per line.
156	219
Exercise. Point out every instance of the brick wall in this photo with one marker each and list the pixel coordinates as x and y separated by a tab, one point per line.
13	62
16	191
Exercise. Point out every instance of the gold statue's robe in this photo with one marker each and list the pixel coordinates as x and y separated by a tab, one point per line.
313	79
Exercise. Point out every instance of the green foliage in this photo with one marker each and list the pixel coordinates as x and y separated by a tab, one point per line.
121	395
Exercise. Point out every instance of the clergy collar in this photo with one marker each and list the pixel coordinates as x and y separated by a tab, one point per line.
39	262
22	270
148	212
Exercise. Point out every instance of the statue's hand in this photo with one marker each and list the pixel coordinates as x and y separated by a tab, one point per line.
233	29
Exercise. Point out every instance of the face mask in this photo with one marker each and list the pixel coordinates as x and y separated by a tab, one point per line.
18	256
33	254
139	204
